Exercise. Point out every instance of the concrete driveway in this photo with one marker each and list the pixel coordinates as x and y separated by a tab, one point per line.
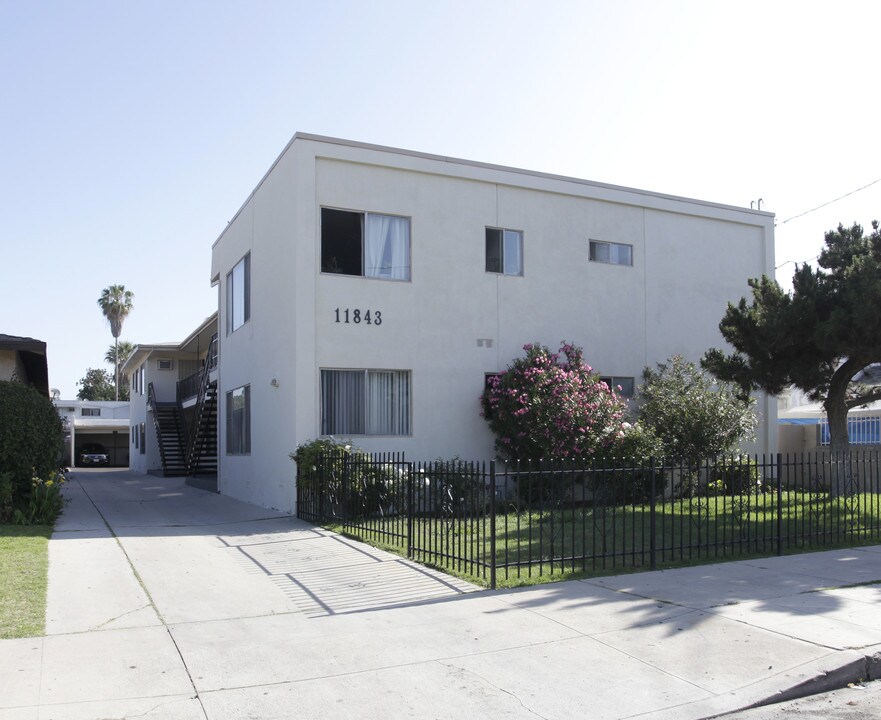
171	602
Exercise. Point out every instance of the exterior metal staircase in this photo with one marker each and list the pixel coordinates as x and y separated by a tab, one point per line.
169	425
202	441
188	438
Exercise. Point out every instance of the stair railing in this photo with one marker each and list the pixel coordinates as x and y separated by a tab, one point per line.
196	433
151	403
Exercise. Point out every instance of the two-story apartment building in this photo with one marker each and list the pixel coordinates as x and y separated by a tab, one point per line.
173	404
366	292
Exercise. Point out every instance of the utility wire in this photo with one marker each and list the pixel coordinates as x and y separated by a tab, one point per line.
783	222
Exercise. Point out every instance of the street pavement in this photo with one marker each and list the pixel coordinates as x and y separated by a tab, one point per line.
171	602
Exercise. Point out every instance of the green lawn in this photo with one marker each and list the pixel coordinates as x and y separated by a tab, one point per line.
578	541
24	561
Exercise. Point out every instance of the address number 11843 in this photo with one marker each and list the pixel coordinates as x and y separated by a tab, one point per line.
356	316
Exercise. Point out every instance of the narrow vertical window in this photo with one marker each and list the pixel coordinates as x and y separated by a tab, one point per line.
504	251
238	421
238	294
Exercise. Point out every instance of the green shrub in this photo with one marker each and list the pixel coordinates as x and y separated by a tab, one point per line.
30	441
352	483
738	475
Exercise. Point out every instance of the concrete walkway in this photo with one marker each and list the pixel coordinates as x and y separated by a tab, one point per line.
170	602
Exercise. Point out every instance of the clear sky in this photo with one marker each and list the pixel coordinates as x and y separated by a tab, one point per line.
133	131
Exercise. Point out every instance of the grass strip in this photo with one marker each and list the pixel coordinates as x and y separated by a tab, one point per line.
24	564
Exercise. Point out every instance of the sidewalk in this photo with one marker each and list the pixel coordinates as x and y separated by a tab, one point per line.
170	602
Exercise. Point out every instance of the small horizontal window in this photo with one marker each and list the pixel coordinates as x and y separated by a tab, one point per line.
624	386
611	253
164	364
91	412
504	251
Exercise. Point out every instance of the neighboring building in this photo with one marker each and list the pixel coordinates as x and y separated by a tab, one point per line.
804	427
24	359
366	292
173	404
95	422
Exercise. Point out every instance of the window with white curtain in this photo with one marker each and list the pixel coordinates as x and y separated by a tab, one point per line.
238	294
365	244
504	251
610	253
365	402
238	421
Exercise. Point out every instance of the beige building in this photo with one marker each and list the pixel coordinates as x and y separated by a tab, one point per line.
366	292
24	359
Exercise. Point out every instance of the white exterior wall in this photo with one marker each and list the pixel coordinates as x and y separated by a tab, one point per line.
689	259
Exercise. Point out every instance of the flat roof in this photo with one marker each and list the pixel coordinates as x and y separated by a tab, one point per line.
483	165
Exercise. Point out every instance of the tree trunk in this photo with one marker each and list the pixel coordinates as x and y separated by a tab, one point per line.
836	406
116	359
839	446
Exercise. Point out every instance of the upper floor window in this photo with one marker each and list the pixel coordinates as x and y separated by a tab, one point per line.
91	412
238	294
365	244
504	251
611	253
165	364
624	386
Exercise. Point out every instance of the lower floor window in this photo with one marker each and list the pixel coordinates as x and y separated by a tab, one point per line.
142	433
365	402
238	421
624	386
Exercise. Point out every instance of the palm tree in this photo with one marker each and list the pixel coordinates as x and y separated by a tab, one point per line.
116	303
123	349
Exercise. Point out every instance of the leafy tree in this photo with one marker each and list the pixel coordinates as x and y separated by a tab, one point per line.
122	350
694	416
116	303
97	384
819	336
553	405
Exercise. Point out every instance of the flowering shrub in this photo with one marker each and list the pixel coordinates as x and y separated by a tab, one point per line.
553	405
44	502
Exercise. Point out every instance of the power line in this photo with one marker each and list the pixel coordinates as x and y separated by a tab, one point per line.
783	222
796	262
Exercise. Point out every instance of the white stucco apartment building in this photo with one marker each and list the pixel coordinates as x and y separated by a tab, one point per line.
366	292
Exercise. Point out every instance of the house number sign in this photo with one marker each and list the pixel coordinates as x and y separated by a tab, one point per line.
357	316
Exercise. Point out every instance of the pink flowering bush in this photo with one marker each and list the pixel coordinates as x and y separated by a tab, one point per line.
553	405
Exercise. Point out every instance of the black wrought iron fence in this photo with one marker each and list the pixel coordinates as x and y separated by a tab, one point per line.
568	517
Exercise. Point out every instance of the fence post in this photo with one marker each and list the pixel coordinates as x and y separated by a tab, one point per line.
321	488
492	524
410	508
779	504
652	518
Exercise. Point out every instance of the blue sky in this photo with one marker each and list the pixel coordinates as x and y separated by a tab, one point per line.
131	132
